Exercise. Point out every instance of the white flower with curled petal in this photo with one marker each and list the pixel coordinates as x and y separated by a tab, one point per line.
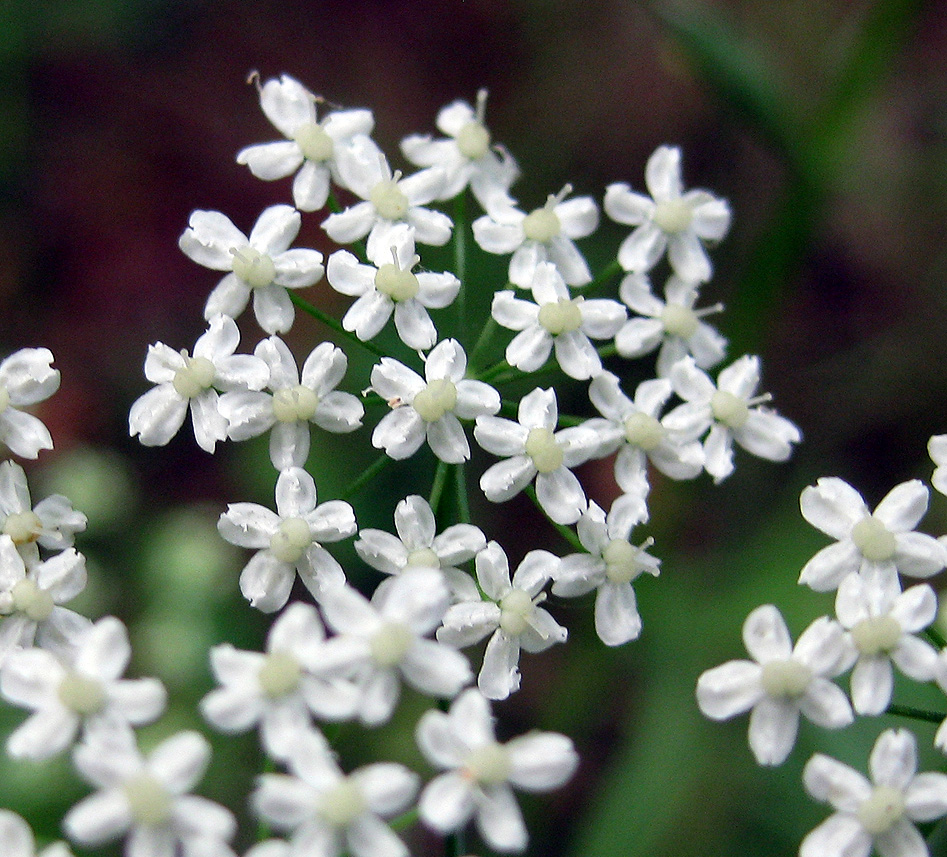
327	812
610	567
147	800
673	324
87	690
879	813
392	288
187	383
511	614
731	412
480	773
311	144
876	544
556	320
533	448
881	621
937	449
288	541
780	683
16	839
546	234
389	202
293	401
669	219
26	378
262	264
430	408
419	545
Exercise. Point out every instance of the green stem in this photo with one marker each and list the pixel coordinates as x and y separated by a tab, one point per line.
437	489
936	637
332	323
367	475
486	335
405	820
916	713
463	501
563	531
460	261
611	270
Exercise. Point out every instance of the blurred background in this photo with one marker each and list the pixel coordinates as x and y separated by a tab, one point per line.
823	123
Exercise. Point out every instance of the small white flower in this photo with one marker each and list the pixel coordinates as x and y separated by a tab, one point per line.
87	689
669	219
293	402
186	383
392	288
876	544
311	145
879	813
430	407
261	265
481	773
26	378
544	235
511	614
16	839
780	683
288	541
937	448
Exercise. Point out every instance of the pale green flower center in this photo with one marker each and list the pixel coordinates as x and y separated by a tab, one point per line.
621	561
33	602
313	142
148	800
423	558
279	674
81	694
541	225
881	810
488	765
516	607
290	540
295	404
254	268
786	679
729	409
473	141
4	399
390	643
400	284
679	321
388	199
643	431
673	215
195	376
436	399
545	451
563	316
23	527
342	804
876	636
874	540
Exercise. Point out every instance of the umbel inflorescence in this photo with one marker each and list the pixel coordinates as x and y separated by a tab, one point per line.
443	380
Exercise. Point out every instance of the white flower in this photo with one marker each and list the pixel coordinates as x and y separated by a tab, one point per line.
288	541
146	800
556	320
186	383
673	324
311	145
466	156
385	637
937	448
392	288
544	235
430	407
668	219
780	683
731	412
52	524
876	544
262	264
881	621
879	813
389	201
16	839
532	447
87	689
611	565
418	545
511	614
329	812
481	772
277	689
293	401
26	378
